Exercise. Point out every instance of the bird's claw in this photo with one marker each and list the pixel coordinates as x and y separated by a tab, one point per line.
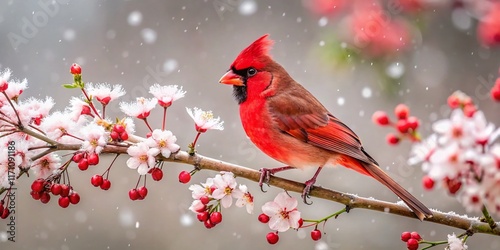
307	190
265	175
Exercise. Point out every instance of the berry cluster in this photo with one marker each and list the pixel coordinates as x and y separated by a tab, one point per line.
84	160
41	189
118	133
213	195
273	238
459	100
100	181
138	193
412	240
208	218
406	125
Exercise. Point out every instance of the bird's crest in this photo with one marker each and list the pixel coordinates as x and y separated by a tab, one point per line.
254	55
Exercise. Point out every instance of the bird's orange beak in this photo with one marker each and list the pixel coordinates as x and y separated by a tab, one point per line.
231	78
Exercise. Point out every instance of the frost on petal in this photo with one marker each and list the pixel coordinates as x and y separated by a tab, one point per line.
454	243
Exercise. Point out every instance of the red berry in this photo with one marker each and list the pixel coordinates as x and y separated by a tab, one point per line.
93	159
106	184
202	209
74	198
77	157
38	185
392	139
96	180
124	136
412	244
157	174
401	111
35	195
205	200
65	190
119	128
45	197
495	92
453	101
469	110
1	209
428	182
315	235
63	202
263	218
216	218
413	122
415	235
143	191
453	185
208	224
75	69
5	213
114	136
133	194
203	216
56	189
380	118
405	236
403	126
83	164
184	177
272	238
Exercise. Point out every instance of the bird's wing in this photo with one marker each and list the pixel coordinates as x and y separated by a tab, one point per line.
304	118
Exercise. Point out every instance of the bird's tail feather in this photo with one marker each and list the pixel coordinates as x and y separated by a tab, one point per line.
420	210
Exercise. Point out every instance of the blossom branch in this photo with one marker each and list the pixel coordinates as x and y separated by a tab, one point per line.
352	201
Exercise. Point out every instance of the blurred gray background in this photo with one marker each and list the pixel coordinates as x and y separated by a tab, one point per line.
192	43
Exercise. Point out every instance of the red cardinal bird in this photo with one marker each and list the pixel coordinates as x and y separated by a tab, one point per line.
288	123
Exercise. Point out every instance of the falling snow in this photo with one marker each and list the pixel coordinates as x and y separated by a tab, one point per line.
323	21
170	65
247	8
340	101
366	92
395	70
134	18
148	35
186	220
69	35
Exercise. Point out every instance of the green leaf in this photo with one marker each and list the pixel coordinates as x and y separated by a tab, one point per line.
69	85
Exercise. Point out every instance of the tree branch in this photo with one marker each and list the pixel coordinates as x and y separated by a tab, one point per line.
471	225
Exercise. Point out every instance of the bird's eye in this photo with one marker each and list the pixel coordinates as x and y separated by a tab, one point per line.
251	72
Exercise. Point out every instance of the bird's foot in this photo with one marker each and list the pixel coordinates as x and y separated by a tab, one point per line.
265	175
307	190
